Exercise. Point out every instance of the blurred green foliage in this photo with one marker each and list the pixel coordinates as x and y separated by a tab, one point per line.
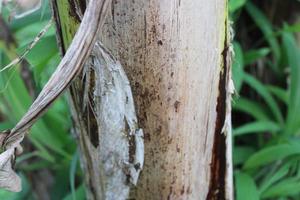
267	78
51	145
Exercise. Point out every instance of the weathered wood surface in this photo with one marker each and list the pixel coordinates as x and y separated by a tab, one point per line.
174	53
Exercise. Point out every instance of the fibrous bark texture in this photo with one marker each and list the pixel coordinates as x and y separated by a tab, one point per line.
176	56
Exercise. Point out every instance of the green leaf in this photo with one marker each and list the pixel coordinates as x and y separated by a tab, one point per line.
5	125
73	174
35	57
241	154
79	193
34	166
274	177
291	28
266	27
256	127
278	92
293	57
26	156
61	183
28	33
287	187
20	23
265	94
252	108
237	66
271	154
253	55
236	4
245	187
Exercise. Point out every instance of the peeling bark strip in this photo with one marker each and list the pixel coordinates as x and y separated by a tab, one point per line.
68	68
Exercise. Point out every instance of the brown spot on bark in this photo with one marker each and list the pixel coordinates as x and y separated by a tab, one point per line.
182	190
153	29
176	106
131	142
158	130
170	193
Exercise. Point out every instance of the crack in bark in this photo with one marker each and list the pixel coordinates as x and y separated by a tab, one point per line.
218	167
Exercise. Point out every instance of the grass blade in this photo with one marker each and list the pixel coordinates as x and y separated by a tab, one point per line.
256	127
252	108
271	154
266	27
293	57
287	187
265	94
246	188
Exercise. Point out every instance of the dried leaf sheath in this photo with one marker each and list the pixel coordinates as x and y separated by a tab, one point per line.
70	65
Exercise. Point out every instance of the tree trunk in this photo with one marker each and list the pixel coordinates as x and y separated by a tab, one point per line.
176	56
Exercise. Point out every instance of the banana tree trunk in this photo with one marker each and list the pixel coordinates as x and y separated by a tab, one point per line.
176	56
